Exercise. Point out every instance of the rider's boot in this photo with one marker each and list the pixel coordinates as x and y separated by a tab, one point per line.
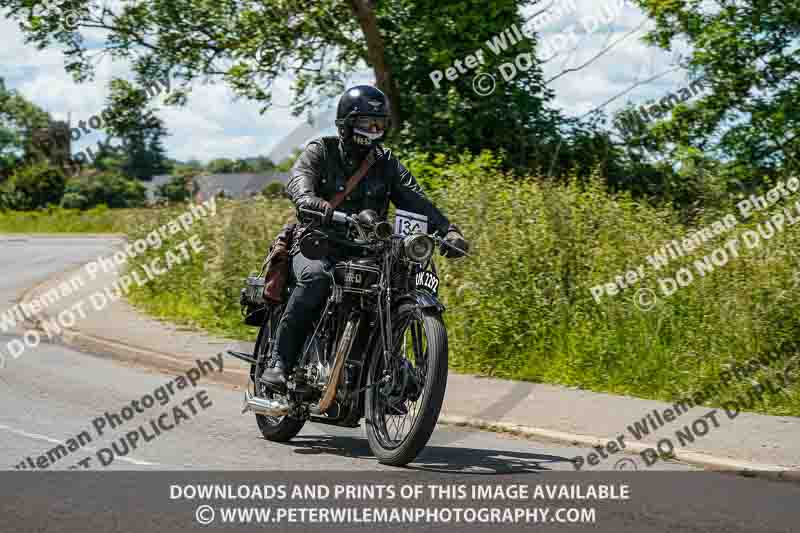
275	374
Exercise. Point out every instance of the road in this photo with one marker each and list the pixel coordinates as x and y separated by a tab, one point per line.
51	394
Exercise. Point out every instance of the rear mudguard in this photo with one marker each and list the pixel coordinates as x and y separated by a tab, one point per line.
424	299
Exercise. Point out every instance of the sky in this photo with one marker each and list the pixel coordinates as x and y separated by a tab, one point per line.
215	124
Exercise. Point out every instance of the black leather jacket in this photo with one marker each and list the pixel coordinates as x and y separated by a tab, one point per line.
323	169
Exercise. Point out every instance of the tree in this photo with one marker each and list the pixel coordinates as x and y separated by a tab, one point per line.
177	189
513	119
249	43
109	188
8	155
261	164
129	119
220	166
192	166
28	134
34	186
747	50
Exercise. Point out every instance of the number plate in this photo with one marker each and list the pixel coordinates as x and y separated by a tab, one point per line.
428	281
406	223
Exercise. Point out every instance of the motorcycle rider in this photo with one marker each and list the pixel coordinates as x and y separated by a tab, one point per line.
321	171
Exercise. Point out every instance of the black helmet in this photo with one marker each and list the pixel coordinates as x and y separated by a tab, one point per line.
362	117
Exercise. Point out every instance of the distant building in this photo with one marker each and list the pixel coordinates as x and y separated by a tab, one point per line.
236	185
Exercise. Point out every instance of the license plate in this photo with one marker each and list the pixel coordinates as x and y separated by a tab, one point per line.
406	223
428	281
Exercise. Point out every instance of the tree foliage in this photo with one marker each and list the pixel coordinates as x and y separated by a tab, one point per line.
248	44
129	118
748	51
33	186
105	188
18	119
224	165
178	189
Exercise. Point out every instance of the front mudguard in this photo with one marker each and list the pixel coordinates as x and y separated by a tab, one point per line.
423	299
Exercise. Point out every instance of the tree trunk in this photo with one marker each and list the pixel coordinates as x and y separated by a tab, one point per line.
364	12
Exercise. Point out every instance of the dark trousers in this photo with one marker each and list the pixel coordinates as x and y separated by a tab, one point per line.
312	286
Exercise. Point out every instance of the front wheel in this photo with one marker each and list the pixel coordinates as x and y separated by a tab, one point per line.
401	412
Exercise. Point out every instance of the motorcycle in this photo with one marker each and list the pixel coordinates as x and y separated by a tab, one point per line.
379	349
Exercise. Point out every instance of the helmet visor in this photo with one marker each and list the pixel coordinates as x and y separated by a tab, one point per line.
371	124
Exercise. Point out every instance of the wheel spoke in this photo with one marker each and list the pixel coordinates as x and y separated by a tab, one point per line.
410	344
399	429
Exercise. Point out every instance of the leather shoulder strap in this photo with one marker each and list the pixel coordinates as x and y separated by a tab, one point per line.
355	179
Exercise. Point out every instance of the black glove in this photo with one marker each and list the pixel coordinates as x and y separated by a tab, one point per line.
456	239
322	209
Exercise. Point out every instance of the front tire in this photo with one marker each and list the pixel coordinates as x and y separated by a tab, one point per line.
428	357
275	429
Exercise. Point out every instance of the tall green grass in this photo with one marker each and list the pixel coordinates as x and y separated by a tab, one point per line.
521	307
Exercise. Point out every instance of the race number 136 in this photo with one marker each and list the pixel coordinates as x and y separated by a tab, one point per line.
406	223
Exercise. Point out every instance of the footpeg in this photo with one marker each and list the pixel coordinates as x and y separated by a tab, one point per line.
247	358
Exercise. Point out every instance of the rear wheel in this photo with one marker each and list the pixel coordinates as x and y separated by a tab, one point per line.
274	428
401	413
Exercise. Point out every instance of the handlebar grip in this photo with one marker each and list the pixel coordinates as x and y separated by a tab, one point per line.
338	216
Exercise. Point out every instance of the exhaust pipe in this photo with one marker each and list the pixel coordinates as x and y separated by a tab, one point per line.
263	406
345	345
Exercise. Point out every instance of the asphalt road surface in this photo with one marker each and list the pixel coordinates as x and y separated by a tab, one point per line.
52	394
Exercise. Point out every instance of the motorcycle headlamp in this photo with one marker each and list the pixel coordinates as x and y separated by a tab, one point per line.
418	247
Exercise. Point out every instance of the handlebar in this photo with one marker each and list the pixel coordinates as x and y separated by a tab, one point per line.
341	217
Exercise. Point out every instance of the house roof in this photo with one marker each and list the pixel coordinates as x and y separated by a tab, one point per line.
238	185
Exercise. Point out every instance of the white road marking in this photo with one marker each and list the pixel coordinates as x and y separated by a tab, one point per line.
56	441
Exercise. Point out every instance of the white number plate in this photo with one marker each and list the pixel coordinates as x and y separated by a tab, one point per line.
406	223
428	280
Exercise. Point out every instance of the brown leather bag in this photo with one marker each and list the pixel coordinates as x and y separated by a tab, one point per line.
276	265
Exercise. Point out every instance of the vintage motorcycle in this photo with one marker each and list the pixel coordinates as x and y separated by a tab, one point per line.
379	349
